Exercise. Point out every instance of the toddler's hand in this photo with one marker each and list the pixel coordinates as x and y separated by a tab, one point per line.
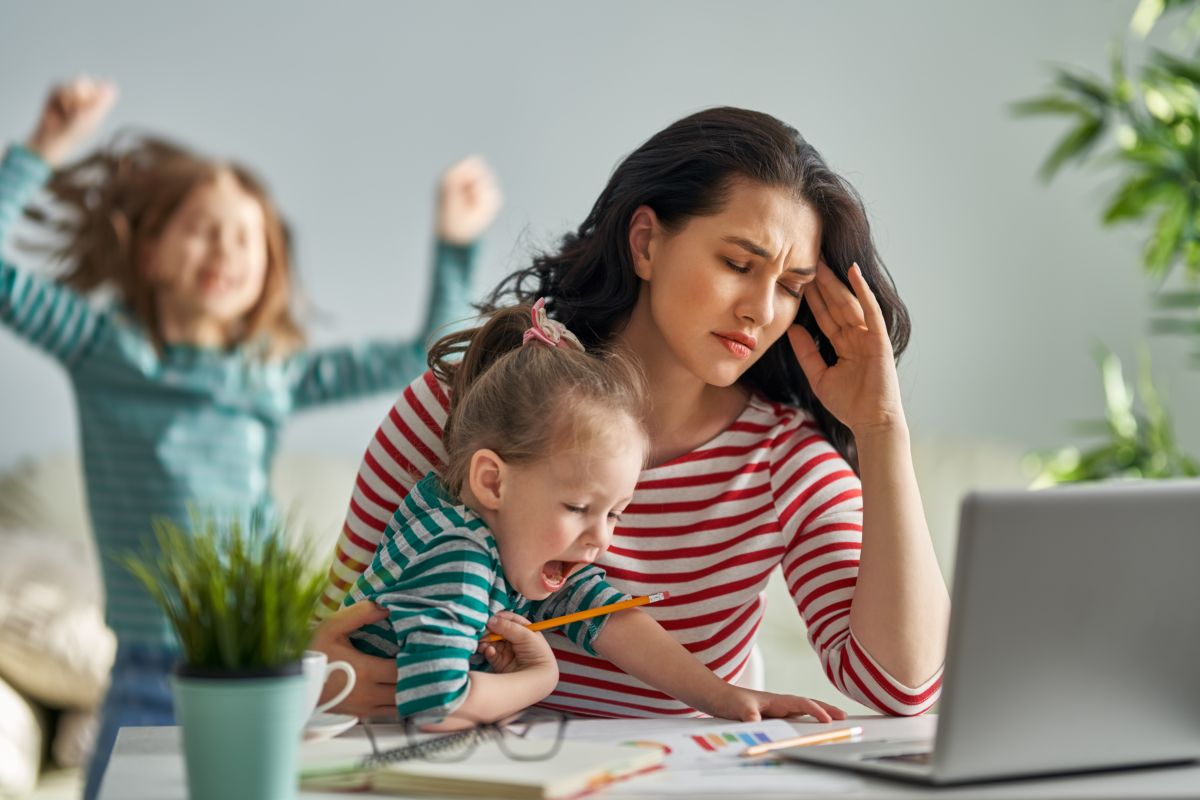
468	201
521	648
71	114
748	705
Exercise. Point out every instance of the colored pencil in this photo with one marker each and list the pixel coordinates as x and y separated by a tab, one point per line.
567	619
839	735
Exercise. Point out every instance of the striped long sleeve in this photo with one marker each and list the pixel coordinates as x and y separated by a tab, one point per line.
22	174
338	374
822	536
587	588
437	572
51	317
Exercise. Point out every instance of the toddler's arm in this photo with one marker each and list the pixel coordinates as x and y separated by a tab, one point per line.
641	647
434	679
529	675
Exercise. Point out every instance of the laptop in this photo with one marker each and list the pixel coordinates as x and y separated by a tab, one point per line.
1074	640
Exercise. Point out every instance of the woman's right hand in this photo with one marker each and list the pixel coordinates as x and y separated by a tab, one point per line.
71	114
374	694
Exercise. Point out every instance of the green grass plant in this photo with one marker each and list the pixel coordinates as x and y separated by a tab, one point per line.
237	596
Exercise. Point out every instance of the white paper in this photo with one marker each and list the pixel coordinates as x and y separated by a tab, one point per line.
719	768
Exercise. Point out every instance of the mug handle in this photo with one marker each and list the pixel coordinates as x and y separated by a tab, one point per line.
330	668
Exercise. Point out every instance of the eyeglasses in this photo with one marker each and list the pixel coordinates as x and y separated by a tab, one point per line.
535	735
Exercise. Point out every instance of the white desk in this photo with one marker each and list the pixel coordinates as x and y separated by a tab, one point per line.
147	765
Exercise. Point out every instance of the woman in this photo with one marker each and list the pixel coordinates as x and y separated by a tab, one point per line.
714	239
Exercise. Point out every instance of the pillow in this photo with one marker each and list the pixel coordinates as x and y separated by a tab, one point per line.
21	733
46	494
74	737
54	645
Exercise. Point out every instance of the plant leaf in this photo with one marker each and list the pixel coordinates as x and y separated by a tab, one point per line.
1134	197
1049	104
1165	242
1075	145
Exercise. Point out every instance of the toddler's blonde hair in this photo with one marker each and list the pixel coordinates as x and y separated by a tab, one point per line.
528	401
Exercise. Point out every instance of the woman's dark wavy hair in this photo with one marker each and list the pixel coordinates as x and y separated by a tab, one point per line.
684	171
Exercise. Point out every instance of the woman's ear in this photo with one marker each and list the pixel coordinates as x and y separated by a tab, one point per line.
643	227
485	476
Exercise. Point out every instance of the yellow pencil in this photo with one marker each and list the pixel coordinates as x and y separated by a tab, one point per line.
567	619
839	735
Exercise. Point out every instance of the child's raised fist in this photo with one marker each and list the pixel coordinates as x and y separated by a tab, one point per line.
72	112
468	201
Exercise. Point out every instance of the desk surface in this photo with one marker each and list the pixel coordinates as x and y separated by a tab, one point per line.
147	764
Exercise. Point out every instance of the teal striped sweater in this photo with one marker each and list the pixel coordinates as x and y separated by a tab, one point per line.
438	573
187	428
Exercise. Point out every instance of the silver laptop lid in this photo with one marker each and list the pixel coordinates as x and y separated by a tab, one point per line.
1075	631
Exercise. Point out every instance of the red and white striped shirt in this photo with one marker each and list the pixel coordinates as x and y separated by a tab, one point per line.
708	526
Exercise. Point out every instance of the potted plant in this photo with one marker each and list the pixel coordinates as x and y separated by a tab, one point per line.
240	602
1139	438
1150	121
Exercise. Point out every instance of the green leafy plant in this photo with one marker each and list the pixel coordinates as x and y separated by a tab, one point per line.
1140	441
1146	126
237	596
1154	128
1150	124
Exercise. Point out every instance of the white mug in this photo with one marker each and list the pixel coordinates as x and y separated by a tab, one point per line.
317	670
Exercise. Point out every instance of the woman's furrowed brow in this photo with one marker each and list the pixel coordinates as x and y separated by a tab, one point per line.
762	252
748	246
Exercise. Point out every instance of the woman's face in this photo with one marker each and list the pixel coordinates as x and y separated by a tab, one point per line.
723	288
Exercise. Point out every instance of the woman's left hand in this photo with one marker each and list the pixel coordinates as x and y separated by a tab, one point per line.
862	389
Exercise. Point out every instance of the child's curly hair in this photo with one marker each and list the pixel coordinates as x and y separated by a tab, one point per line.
106	207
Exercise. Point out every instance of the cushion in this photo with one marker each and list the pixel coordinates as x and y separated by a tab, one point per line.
74	737
54	645
21	735
46	494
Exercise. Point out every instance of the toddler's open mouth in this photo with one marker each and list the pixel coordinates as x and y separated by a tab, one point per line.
555	573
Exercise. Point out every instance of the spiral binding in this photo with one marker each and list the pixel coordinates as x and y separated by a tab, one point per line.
429	747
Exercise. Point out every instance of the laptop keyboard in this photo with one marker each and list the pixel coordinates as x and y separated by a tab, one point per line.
923	758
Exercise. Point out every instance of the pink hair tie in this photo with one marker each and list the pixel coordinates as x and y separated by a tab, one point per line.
549	331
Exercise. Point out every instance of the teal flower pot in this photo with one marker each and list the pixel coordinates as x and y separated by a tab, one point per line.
241	732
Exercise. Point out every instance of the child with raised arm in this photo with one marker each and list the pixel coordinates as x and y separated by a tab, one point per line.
545	443
183	383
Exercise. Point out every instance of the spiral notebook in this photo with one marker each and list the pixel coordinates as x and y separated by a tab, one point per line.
576	769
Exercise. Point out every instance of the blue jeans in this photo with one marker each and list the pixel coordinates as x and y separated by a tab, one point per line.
138	694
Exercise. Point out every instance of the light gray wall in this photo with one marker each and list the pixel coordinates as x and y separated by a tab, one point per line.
350	110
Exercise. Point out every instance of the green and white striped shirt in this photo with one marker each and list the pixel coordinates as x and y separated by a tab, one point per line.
438	573
186	428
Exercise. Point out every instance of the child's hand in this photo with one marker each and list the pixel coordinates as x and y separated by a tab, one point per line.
521	648
748	705
71	114
468	201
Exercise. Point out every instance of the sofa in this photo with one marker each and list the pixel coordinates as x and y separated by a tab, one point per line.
55	650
